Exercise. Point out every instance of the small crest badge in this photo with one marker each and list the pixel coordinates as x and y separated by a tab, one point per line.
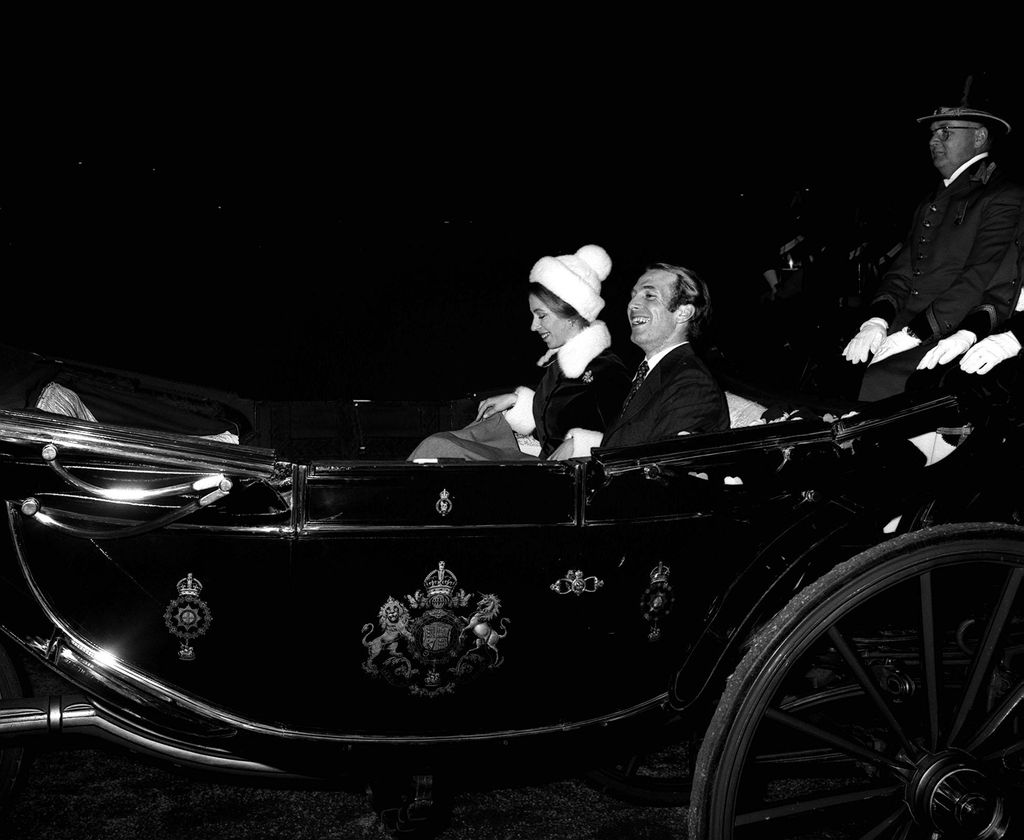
588	376
437	639
188	617
444	503
657	600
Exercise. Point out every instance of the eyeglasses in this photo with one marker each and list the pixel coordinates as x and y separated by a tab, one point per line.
943	132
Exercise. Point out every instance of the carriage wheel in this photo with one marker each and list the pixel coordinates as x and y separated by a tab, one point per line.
13	760
884	701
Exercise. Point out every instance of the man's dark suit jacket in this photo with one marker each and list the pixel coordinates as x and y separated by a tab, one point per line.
679	395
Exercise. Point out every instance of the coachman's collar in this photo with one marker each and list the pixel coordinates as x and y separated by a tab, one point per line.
983	172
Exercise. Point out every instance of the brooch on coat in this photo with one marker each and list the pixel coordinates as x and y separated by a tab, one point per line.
587	377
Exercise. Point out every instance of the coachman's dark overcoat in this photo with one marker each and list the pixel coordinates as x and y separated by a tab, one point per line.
948	262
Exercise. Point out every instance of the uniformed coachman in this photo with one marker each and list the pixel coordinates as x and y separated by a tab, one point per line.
949	260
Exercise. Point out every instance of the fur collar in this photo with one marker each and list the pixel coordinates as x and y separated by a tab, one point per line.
580	350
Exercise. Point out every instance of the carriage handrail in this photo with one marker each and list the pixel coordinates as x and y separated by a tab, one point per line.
135	445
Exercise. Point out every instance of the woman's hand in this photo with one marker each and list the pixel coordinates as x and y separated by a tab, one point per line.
492	405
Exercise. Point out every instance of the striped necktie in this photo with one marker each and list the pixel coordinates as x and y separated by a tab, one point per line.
638	380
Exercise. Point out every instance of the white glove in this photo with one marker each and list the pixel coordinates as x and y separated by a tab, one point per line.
895	343
948	349
871	335
989	352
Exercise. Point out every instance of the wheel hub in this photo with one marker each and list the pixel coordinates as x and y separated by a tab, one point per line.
952	795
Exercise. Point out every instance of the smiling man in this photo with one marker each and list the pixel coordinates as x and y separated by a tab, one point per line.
949	260
673	391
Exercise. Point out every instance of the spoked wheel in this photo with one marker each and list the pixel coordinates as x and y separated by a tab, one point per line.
884	701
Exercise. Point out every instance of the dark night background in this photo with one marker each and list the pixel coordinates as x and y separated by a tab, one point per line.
367	232
359	241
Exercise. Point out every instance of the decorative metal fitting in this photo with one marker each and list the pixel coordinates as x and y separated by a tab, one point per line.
657	600
188	617
574	582
444	503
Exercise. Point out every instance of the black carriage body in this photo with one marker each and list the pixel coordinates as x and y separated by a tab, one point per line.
256	616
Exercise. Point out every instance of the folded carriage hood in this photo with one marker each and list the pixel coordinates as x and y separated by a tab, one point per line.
131	444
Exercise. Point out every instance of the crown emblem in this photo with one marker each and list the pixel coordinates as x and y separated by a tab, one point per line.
444	505
187	617
190	587
440	583
660	573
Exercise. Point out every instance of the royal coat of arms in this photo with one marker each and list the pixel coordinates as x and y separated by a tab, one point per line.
441	637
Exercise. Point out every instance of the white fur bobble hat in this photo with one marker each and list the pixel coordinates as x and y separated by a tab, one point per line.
576	278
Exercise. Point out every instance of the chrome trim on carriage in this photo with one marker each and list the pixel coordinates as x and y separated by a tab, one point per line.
849	428
75	714
124	442
712	446
911	412
17	716
330	528
138	494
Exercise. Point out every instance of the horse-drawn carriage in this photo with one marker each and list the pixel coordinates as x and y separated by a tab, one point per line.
829	611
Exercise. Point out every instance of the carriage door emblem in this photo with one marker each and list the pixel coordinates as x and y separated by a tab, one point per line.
437	639
444	503
657	600
187	617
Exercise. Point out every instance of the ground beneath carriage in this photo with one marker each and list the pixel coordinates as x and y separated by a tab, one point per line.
91	794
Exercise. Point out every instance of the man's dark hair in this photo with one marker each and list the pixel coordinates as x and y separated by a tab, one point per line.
688	288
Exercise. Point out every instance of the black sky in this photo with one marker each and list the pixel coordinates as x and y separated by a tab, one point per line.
372	237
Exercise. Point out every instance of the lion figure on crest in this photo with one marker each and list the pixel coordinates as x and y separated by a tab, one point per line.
393	618
480	625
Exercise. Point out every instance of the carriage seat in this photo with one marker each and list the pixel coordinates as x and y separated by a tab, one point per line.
744	412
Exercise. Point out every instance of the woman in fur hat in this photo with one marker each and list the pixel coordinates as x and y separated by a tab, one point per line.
584	382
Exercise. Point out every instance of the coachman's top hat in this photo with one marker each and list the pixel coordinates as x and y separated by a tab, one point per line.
968	113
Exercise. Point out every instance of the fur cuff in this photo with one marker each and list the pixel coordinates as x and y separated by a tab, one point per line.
583	440
520	416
